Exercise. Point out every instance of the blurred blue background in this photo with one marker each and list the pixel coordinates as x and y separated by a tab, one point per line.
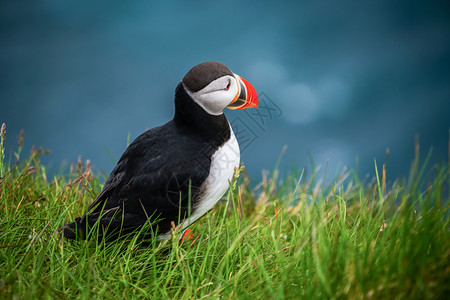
347	79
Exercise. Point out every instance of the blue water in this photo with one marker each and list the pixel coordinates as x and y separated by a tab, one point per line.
342	80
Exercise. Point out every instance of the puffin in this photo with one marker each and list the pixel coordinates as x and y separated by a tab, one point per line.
171	175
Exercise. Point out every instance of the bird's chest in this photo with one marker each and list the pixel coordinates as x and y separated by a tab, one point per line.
223	162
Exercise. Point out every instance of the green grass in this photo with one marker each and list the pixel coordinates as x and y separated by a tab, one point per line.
291	238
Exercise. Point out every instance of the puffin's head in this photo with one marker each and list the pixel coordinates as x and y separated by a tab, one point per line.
214	87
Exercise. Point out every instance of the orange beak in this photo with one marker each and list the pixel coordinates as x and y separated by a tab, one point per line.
246	96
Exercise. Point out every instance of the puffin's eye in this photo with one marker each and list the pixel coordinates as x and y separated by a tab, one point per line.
228	86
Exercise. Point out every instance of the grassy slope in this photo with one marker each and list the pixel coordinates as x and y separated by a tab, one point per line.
298	240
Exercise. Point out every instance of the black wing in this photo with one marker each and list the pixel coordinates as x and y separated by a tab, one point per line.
158	178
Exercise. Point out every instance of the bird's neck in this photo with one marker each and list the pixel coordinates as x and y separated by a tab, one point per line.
191	116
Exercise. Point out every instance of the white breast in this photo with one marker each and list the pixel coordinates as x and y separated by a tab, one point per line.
223	162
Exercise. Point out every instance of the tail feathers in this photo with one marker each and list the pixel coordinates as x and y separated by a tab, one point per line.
110	228
75	230
83	228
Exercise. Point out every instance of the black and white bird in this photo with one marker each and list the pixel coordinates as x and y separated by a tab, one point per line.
175	173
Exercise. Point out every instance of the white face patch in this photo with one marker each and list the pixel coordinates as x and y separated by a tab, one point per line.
217	95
